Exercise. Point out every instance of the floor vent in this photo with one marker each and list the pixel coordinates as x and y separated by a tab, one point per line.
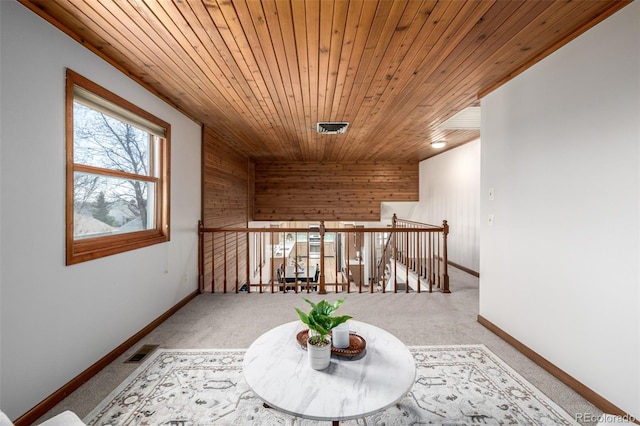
142	353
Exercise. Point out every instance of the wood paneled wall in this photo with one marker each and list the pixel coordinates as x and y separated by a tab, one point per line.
330	191
225	203
233	187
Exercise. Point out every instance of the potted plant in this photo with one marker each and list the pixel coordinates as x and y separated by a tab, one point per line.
320	321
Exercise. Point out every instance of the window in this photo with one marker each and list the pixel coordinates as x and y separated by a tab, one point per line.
117	190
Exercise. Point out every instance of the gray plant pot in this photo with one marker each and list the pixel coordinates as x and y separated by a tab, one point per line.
319	356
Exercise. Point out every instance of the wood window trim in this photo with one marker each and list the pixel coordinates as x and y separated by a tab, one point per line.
85	249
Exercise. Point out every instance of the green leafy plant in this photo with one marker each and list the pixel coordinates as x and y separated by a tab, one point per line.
321	320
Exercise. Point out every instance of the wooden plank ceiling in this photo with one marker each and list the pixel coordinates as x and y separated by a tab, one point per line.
260	74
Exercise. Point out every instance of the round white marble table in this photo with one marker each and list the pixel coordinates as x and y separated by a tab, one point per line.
276	368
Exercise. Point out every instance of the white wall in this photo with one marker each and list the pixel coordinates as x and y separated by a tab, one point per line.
58	320
450	190
559	268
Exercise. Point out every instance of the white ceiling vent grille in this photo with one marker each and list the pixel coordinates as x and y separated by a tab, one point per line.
468	118
332	127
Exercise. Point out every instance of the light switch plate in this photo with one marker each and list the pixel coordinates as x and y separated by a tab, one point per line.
491	194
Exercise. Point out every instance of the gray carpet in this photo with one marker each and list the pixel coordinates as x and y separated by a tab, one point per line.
235	320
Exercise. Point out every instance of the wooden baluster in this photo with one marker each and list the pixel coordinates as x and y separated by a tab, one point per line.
295	262
445	273
213	262
348	259
308	257
375	266
360	273
414	260
261	239
322	289
285	260
438	260
248	271
273	252
224	285
425	252
395	262
237	260
407	262
200	258
335	256
419	260
430	271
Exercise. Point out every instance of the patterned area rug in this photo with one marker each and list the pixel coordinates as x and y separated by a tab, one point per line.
455	385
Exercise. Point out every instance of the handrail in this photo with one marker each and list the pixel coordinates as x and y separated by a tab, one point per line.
261	259
384	258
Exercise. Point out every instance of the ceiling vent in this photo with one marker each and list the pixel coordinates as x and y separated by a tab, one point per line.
332	127
468	118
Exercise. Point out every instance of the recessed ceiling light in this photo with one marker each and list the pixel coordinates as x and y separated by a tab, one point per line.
438	144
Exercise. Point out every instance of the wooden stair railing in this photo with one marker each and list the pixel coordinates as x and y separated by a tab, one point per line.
423	254
247	259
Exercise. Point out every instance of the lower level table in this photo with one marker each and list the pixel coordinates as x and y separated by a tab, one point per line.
276	368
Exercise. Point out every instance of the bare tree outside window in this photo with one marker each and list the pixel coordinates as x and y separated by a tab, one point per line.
117	181
104	142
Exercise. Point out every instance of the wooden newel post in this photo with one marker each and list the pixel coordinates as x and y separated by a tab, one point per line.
248	271
322	290
200	258
445	261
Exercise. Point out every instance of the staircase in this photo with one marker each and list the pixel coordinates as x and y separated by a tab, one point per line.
396	278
